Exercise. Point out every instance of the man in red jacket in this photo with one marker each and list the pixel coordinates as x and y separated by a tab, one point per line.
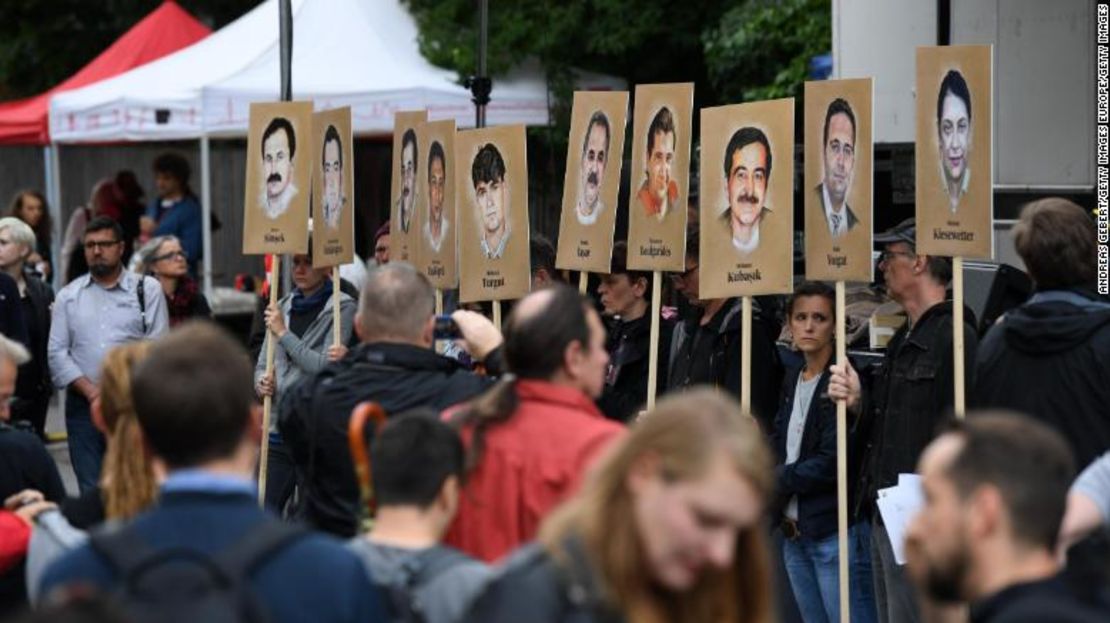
532	437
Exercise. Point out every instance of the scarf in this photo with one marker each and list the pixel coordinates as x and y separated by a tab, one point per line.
301	303
182	301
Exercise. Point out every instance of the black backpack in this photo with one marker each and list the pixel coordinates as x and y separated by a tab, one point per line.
403	604
185	585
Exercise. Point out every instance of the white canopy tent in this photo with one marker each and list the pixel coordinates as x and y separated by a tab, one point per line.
361	53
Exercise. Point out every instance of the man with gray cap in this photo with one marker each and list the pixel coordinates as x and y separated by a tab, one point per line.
912	391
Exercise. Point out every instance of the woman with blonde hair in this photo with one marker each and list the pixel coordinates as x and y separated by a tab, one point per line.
128	479
667	529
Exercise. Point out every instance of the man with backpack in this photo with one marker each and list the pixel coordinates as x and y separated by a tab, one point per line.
417	469
207	552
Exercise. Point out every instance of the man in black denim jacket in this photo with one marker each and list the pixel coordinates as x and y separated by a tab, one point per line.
912	392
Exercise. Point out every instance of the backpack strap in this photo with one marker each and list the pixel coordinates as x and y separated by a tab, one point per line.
130	555
142	300
425	567
257	547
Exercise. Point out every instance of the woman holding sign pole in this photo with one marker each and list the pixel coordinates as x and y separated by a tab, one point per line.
302	323
804	437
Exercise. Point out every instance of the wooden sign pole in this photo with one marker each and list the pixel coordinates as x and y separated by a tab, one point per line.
439	302
958	334
842	460
267	401
497	314
746	355
653	348
336	322
583	281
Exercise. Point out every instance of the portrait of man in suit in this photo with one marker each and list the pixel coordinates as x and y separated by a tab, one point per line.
839	162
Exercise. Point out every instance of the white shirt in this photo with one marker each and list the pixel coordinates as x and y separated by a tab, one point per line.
591	218
436	243
492	253
277	207
795	429
751	245
838	229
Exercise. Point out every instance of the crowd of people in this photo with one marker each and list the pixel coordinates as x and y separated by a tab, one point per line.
518	476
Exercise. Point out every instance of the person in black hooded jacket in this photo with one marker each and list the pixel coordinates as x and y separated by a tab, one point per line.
1050	357
395	367
626	298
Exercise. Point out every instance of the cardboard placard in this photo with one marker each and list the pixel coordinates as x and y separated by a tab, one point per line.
407	168
595	152
747	199
436	218
660	176
275	203
333	188
838	174
955	171
491	184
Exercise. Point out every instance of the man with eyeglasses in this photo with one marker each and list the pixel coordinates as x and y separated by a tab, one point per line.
94	313
705	346
911	394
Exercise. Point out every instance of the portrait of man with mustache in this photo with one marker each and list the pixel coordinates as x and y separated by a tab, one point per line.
407	201
747	167
595	157
279	145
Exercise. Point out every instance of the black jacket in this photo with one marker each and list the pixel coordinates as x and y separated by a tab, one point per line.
1050	358
723	364
1037	602
626	382
532	587
314	415
813	476
40	297
913	392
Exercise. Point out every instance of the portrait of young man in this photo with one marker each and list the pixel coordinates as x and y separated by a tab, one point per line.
659	191
332	173
491	200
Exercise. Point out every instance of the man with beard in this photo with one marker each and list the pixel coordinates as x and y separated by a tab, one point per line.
954	135
595	156
747	171
94	313
407	199
333	178
995	491
435	229
490	190
279	145
840	162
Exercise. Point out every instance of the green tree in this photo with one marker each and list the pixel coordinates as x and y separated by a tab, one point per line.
761	50
43	43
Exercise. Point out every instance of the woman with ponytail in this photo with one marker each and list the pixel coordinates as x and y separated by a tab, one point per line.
128	479
531	436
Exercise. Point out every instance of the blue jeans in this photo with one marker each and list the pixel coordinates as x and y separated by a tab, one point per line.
813	567
86	444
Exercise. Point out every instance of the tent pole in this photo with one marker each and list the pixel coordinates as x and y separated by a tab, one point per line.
481	85
54	198
206	214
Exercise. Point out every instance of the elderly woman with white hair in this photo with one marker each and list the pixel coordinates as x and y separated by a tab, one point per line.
34	389
165	259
